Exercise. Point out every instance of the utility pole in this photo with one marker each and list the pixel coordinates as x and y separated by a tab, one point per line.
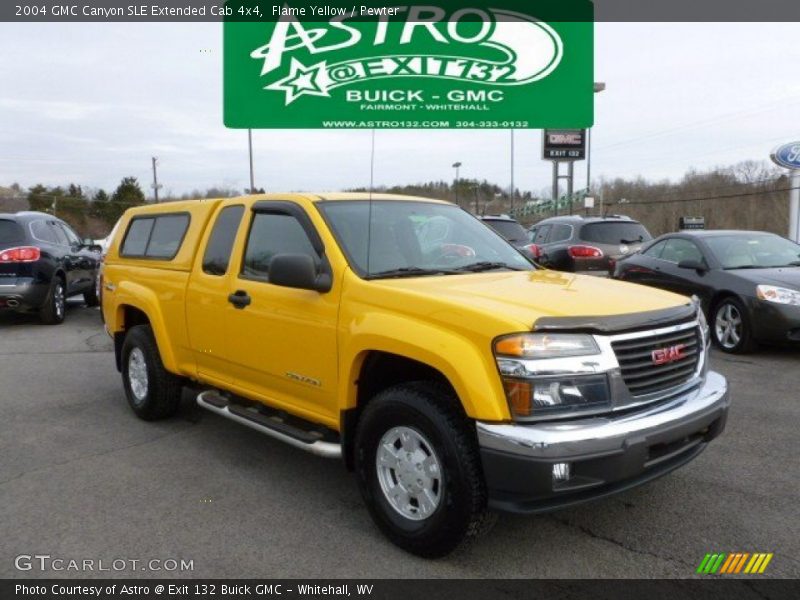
156	186
250	149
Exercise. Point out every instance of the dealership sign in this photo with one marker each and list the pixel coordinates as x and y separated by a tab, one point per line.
442	65
564	144
787	156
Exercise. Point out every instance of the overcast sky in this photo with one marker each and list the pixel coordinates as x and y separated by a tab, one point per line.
91	103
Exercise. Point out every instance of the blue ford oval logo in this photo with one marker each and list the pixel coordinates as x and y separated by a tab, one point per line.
787	155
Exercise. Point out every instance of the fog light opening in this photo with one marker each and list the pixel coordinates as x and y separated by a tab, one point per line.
562	472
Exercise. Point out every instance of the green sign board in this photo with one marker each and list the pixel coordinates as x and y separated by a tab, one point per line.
439	66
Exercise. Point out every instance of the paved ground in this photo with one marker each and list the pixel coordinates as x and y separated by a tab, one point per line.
81	477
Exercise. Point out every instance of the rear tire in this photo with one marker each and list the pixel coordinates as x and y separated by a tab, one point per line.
419	469
90	297
55	306
153	392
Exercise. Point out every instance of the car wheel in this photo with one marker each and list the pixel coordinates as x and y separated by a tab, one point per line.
419	469
90	297
730	327
55	306
152	391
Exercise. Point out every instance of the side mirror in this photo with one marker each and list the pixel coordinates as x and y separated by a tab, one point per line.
693	264
298	271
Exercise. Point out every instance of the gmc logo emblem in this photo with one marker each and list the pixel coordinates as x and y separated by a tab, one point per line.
664	356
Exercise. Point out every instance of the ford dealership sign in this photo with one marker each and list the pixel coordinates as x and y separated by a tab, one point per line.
787	156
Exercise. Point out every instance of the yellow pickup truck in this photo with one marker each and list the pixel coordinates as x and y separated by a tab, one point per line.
404	336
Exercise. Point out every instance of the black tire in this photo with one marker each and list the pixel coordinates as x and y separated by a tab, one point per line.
161	394
432	412
55	306
90	297
731	310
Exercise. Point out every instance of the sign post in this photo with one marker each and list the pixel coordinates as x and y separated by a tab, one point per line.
788	156
564	145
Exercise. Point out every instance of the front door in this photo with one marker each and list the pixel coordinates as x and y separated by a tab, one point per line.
281	342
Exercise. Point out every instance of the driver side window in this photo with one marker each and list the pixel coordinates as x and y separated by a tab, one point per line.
272	234
678	250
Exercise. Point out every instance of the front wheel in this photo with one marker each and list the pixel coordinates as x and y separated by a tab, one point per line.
419	469
153	392
730	327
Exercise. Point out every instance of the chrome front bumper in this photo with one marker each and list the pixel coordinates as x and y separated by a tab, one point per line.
607	453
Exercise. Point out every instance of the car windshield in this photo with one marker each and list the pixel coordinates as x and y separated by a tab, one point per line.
754	251
511	230
615	232
408	239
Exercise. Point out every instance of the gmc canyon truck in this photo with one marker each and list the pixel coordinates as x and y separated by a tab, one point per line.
405	337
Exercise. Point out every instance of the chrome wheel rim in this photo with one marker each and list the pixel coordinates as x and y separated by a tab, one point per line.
409	473
137	375
58	300
728	326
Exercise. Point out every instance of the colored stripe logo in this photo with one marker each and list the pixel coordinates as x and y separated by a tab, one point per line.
733	563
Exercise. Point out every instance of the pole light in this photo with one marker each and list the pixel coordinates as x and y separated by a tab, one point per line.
598	87
456	166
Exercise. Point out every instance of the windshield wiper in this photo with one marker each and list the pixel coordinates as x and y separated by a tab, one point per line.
409	272
746	267
636	241
487	266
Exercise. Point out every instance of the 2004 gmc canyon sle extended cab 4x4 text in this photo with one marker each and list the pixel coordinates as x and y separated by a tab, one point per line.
406	337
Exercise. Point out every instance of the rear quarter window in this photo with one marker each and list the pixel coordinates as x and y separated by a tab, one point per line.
10	232
159	237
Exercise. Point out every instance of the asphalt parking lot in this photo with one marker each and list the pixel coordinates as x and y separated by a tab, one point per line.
82	478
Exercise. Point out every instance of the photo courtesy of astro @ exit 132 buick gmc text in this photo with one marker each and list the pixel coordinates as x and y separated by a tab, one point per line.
329	300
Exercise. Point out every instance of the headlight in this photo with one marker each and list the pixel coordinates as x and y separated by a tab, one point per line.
778	295
549	397
546	345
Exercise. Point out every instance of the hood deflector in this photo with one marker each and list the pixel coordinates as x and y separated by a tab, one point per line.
617	323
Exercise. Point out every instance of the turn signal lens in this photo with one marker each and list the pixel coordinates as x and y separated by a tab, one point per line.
519	395
20	254
546	345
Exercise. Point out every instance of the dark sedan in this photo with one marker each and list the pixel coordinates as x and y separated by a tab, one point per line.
42	263
748	282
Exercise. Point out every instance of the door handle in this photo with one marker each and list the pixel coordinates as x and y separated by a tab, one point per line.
239	299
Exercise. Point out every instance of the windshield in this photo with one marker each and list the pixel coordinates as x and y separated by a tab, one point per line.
511	230
614	232
754	251
416	238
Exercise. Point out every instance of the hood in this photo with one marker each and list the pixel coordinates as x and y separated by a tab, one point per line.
788	277
522	297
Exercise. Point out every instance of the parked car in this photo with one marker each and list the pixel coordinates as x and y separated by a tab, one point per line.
589	245
512	231
406	338
42	263
748	282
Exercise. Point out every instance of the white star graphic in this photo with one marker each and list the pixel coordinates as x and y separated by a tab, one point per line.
301	81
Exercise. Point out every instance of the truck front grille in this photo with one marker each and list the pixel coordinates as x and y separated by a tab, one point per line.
659	362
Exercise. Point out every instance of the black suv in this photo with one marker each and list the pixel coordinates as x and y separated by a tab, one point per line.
589	245
512	231
42	263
